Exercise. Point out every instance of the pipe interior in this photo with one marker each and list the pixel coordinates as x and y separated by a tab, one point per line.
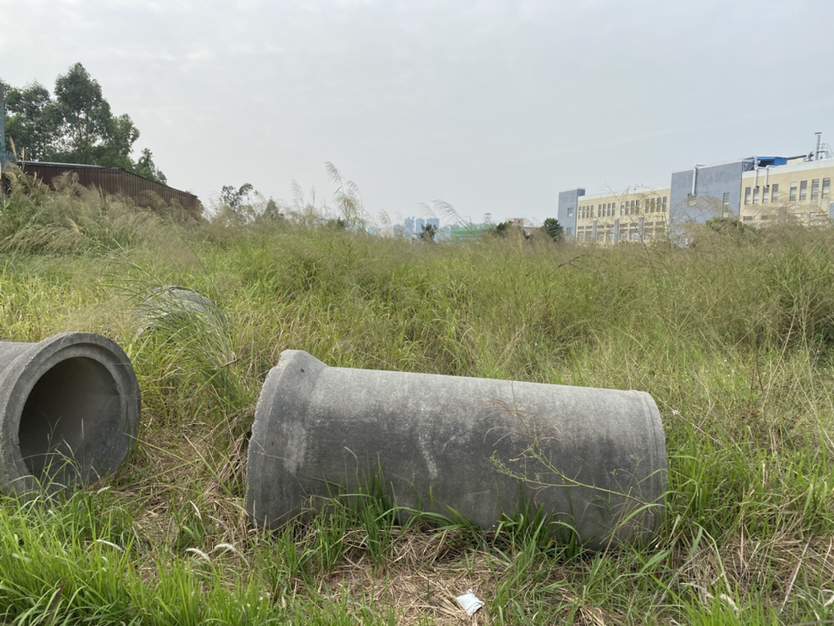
70	422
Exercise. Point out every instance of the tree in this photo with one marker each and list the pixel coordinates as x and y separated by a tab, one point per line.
553	229
729	229
34	122
76	126
237	199
502	229
89	131
146	168
429	232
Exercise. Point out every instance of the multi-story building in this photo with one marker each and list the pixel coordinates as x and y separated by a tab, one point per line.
796	192
639	214
413	226
755	190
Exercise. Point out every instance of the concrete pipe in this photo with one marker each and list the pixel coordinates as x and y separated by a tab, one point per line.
594	460
69	411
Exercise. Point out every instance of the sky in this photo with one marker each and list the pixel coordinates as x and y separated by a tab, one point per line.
492	106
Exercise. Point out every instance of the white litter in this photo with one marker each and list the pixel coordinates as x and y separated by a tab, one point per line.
469	602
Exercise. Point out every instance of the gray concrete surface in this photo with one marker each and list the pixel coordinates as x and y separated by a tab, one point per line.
593	459
69	411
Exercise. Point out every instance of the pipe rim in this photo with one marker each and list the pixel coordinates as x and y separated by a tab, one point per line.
28	370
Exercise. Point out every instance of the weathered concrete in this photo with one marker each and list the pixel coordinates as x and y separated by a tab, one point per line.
594	459
69	411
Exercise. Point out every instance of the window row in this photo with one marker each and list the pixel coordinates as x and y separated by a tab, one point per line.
625	234
820	190
630	207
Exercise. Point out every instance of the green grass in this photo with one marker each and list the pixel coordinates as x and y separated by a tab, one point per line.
734	340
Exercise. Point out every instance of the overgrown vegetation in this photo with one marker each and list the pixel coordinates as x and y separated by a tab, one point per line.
734	339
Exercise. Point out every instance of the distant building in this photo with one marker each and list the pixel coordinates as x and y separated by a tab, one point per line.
634	215
413	227
469	232
754	190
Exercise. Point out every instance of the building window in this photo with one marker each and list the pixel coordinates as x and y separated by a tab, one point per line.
756	194
826	188
803	191
815	190
570	212
774	196
664	204
622	208
726	199
765	194
792	197
747	195
569	231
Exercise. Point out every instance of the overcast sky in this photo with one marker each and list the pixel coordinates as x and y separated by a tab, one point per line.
493	106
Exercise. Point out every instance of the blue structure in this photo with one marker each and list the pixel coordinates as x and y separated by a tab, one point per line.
706	192
566	212
413	227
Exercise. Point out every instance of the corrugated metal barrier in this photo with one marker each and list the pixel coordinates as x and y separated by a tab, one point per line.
114	181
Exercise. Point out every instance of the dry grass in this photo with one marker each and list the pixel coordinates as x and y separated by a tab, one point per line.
734	340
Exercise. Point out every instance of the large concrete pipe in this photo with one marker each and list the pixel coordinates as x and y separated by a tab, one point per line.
69	411
593	459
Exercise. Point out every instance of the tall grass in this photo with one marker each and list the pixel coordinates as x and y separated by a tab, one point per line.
733	338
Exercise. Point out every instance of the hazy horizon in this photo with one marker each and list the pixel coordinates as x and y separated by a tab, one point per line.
493	107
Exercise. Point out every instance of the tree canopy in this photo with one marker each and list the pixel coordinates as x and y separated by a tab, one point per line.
429	233
553	229
76	126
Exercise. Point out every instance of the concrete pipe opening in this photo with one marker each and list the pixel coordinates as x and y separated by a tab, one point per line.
70	411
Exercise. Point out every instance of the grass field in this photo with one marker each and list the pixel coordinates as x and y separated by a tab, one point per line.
734	339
